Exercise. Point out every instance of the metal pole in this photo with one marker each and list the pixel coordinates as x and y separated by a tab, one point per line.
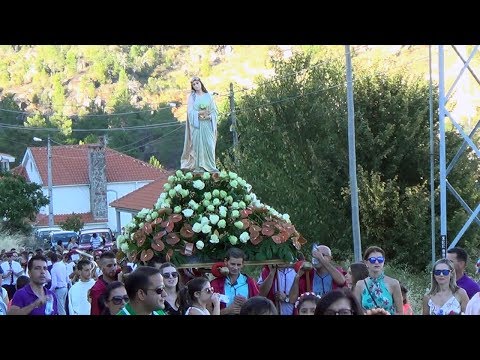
49	174
233	127
352	163
432	161
443	184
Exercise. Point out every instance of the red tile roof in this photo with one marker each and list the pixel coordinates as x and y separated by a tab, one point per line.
70	165
87	218
145	197
20	170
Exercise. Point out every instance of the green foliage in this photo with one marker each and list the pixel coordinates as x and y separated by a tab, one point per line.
24	202
73	222
294	151
14	239
154	162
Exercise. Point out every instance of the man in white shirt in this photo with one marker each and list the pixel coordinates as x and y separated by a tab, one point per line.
78	303
59	282
11	271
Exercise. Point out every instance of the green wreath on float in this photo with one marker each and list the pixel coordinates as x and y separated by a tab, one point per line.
200	216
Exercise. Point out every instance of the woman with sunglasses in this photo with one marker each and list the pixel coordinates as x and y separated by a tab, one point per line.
115	298
197	295
200	131
378	290
445	297
171	280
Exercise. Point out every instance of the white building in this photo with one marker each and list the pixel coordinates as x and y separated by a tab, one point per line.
5	161
85	180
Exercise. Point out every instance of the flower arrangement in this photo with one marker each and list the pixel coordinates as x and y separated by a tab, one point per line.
200	216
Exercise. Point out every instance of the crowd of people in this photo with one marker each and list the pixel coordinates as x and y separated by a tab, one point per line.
95	284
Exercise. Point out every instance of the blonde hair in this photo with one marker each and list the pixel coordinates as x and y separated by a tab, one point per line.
435	288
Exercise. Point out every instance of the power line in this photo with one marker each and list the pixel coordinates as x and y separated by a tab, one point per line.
116	149
125	128
88	115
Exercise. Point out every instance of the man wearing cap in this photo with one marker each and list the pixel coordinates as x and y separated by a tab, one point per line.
11	271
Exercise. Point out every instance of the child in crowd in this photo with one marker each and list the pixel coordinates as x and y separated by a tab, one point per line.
407	308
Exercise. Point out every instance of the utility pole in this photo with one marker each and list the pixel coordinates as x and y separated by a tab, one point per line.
352	162
49	174
233	126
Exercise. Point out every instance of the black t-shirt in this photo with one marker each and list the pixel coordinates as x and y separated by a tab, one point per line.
169	310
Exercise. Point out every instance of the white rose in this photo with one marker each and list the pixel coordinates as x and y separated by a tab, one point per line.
187	212
221	224
244	237
177	209
197	227
233	239
198	184
178	188
206	229
214	239
200	245
238	224
214	219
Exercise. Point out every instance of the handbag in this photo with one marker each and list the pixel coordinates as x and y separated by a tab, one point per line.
370	293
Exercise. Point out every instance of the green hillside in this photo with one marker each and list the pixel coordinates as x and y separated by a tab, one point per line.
73	88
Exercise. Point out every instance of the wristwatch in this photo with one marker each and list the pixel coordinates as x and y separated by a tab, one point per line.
287	300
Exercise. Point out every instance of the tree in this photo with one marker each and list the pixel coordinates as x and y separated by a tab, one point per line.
22	202
73	222
154	162
293	150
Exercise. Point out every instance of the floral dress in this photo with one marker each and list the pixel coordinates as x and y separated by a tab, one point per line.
451	307
379	296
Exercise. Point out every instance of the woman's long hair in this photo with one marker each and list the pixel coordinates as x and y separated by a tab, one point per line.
435	288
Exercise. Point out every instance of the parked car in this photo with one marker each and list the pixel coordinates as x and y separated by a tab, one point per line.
85	236
65	236
42	236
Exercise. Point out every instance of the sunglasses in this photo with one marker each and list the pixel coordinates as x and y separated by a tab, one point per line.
373	259
444	272
117	300
339	312
158	290
209	290
168	275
